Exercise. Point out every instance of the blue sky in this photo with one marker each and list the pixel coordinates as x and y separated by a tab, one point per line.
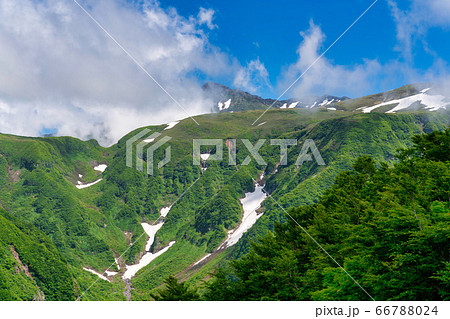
270	31
60	72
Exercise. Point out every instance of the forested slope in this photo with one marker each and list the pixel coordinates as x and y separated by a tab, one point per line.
387	225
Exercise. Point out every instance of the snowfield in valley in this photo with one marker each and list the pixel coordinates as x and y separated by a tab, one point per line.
148	257
250	203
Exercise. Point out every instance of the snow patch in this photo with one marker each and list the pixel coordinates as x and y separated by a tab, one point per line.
81	185
326	102
284	106
110	273
204	257
165	210
250	203
227	104
145	261
292	105
171	125
148	257
151	232
224	106
96	273
331	108
101	167
431	102
149	140
311	106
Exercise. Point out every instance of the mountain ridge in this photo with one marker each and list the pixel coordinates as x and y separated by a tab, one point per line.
412	96
235	100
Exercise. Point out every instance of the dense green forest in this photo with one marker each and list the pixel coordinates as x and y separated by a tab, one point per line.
387	225
39	271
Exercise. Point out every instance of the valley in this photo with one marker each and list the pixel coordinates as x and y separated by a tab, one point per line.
126	231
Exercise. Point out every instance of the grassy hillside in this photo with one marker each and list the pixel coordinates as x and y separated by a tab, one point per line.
31	268
370	100
37	186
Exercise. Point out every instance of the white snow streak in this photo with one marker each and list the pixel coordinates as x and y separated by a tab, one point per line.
145	261
149	140
151	232
292	105
81	186
250	203
96	273
204	257
111	273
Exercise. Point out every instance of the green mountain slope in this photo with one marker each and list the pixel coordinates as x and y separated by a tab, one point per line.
340	141
37	185
31	268
341	138
99	227
386	225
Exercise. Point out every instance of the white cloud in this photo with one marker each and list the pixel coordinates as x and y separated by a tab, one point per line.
253	77
413	23
58	69
205	16
439	11
325	76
